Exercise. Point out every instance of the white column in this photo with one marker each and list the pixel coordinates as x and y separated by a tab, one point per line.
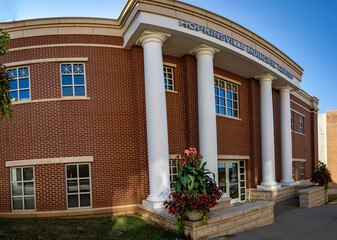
206	107
267	133
286	146
156	117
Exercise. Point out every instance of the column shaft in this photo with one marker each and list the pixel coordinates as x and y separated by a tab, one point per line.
267	134
286	145
206	108
156	118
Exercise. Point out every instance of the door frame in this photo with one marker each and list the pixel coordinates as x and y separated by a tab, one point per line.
239	174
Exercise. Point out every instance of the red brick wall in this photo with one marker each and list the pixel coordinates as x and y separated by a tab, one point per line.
111	125
305	146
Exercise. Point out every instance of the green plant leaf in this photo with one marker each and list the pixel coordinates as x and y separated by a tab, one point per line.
193	192
184	180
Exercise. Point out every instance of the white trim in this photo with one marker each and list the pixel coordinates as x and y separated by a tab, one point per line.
174	156
45	60
233	157
78	178
167	64
299	160
219	106
43	161
166	73
73	85
226	79
65	45
241	179
18	84
50	100
83	212
297	132
22	181
302	167
297	112
310	111
170	91
300	95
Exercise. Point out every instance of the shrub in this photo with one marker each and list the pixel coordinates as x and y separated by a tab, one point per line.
195	188
321	175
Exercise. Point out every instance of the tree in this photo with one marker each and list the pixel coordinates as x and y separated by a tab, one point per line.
5	98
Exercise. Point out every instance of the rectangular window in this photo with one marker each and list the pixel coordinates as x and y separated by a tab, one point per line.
78	185
293	170
173	173
168	78
73	79
302	170
292	120
301	129
226	98
19	84
22	188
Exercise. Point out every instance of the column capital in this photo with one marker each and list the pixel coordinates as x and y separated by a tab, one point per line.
265	77
285	88
152	36
204	49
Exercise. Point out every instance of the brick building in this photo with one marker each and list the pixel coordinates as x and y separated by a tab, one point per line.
97	123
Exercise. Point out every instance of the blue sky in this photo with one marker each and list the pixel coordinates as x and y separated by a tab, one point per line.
305	30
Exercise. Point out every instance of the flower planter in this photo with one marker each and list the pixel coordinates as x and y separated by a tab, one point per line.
193	215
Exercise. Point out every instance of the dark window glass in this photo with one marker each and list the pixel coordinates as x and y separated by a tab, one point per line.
85	200
67	91
84	170
24	83
71	171
24	94
67	80
72	201
79	91
28	174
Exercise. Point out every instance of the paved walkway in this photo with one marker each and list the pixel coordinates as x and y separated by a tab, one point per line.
292	222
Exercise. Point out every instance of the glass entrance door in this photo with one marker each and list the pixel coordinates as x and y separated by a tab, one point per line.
233	182
232	179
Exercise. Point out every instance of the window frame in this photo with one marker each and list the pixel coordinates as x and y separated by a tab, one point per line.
226	99
22	188
302	168
172	165
78	192
301	124
18	84
242	177
165	67
72	79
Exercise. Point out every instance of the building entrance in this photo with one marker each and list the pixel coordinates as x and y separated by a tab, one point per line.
232	179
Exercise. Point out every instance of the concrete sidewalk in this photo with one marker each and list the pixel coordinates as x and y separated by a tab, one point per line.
292	222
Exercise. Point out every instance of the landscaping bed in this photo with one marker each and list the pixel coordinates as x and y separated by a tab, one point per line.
131	227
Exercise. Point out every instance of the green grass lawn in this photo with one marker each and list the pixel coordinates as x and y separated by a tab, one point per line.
332	197
132	226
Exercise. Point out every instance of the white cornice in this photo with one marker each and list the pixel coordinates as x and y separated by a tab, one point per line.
45	60
65	45
43	161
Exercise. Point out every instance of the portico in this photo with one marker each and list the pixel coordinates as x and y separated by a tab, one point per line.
212	47
153	43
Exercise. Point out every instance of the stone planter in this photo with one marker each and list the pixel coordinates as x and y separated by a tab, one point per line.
193	215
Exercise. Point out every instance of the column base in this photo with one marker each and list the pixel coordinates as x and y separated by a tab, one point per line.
153	205
288	184
269	187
